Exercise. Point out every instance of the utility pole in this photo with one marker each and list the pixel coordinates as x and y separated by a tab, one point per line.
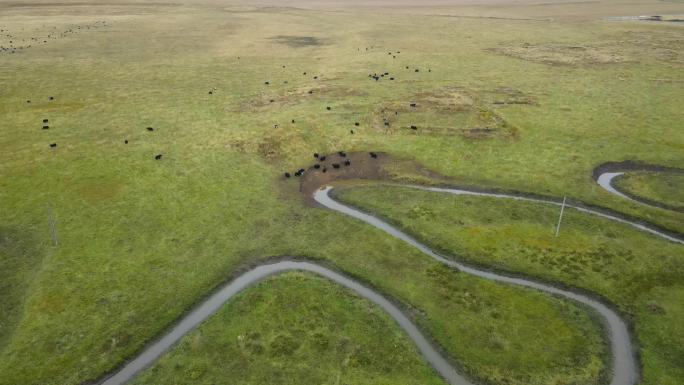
560	217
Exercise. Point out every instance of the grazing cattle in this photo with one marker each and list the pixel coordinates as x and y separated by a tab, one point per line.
391	78
322	158
272	100
45	127
386	73
158	156
293	121
413	104
351	132
45	120
150	129
51	98
275	126
407	67
429	70
28	101
317	166
287	174
53	145
342	154
304	73
356	124
126	141
373	155
336	165
310	91
328	108
211	92
315	77
301	171
347	162
414	127
387	124
324	169
316	155
417	70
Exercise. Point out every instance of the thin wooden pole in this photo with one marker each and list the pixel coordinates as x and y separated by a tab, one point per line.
560	217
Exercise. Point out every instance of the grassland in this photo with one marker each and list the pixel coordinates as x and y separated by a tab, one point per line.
138	241
664	188
295	329
639	273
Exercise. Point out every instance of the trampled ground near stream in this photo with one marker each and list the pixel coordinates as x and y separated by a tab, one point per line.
102	247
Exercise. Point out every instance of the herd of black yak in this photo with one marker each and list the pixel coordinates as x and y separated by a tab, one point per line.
341	160
16	44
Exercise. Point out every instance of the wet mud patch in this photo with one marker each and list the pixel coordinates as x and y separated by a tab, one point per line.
363	166
299	41
561	54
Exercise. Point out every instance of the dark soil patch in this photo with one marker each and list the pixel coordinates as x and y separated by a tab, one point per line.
299	41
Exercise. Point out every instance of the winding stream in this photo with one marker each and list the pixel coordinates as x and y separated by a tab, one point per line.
212	304
624	367
614	218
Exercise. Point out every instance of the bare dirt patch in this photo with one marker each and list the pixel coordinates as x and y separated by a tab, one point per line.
299	41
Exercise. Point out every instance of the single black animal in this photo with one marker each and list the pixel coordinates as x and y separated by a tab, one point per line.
374	155
342	154
292	120
28	101
351	132
315	155
53	145
158	157
347	162
414	127
317	166
413	104
328	108
287	175
45	120
356	124
211	92
51	98
150	129
321	158
45	127
336	165
126	141
324	169
267	83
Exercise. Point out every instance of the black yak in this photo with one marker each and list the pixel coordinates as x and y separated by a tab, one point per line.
150	129
287	174
347	162
374	155
53	145
158	156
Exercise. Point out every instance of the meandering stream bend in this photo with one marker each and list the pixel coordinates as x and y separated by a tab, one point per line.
624	368
212	304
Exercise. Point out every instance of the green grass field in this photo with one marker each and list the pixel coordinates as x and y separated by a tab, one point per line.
663	188
102	247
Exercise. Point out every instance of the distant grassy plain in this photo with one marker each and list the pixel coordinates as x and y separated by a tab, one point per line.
511	104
